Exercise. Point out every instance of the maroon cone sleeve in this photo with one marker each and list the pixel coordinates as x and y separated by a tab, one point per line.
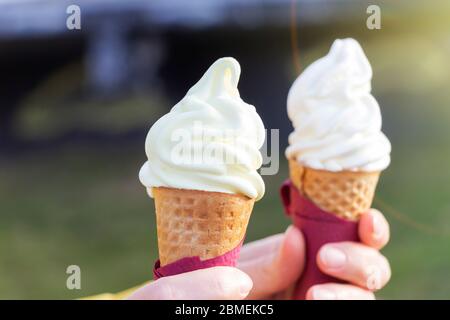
194	263
319	227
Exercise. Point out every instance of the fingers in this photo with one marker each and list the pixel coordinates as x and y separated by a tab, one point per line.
354	263
218	283
374	229
334	291
274	263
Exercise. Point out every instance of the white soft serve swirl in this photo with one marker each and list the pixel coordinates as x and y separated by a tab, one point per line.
214	105
337	122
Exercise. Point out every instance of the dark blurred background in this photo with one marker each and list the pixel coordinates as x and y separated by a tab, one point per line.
75	106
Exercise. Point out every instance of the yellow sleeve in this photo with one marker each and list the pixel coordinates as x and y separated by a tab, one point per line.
113	296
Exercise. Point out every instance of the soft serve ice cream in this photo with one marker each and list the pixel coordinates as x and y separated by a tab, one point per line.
209	141
336	153
337	122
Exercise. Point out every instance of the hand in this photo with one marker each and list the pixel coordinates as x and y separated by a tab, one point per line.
218	283
270	266
275	263
360	264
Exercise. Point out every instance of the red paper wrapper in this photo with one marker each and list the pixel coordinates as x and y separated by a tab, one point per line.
319	227
194	263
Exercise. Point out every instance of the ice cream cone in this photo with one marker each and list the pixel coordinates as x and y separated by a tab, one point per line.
345	193
199	223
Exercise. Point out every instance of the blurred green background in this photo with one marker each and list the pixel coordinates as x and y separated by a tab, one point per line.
81	203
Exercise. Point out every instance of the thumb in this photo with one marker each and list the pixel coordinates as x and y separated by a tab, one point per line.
274	263
217	283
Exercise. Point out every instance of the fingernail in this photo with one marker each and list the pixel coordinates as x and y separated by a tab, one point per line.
323	294
377	228
332	257
246	286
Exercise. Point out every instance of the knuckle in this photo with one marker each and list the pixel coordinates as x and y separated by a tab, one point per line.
376	275
386	268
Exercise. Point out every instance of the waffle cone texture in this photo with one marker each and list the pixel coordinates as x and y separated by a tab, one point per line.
199	223
345	193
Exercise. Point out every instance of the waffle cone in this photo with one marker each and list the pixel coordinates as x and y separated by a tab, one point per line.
199	223
345	193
